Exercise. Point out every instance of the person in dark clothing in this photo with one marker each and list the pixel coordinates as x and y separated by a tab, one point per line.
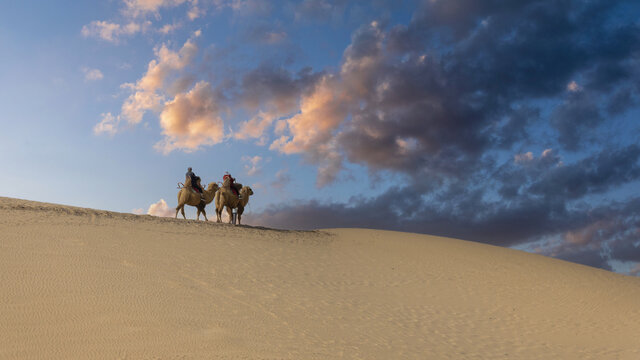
194	180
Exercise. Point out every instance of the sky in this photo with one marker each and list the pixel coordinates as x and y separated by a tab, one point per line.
508	123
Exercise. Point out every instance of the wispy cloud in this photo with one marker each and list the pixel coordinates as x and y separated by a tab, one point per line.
108	125
253	164
113	32
92	74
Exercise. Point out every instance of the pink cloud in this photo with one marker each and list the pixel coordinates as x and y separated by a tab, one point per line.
148	92
161	209
191	120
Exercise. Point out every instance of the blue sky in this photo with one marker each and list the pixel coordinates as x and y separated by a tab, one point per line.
513	124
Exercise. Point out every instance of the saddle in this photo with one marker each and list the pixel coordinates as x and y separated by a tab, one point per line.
187	185
235	189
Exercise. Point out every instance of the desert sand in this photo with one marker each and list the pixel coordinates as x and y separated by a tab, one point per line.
87	284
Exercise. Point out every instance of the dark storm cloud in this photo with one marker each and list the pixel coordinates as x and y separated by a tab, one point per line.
542	204
319	10
273	86
591	236
595	174
589	257
446	98
575	117
466	95
608	232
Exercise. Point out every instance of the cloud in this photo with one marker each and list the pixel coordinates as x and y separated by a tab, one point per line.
191	120
498	120
592	175
147	93
523	158
92	74
271	93
161	209
137	8
169	28
635	271
166	61
404	105
108	125
573	86
138	103
245	7
282	180
311	132
508	204
319	10
255	127
113	32
575	118
136	11
266	33
254	165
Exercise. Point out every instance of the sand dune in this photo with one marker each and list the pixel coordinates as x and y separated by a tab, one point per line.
79	283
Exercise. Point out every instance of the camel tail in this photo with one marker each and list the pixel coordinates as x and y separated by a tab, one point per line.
179	193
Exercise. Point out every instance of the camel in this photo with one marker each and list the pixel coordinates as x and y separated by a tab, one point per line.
187	196
224	197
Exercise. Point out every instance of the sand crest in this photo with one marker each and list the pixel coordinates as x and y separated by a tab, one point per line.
79	283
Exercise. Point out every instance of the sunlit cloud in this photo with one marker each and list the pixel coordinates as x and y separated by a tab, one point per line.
255	127
573	86
523	158
311	132
145	94
161	209
191	120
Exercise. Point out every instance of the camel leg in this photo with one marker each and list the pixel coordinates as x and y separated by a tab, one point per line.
177	209
230	213
183	215
240	211
198	215
205	215
218	213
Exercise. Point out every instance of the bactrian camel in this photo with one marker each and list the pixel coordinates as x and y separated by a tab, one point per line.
187	196
224	197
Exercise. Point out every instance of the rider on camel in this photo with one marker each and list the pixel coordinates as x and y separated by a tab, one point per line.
194	181
232	185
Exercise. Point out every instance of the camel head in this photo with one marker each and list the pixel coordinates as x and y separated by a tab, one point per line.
213	187
246	190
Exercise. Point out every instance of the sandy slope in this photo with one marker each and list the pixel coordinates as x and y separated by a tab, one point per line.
80	283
